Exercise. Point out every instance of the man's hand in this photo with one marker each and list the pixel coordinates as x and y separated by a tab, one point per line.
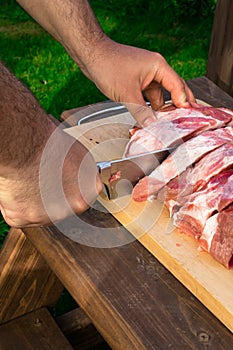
126	74
28	193
61	181
45	174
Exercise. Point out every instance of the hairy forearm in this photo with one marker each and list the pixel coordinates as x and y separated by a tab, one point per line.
73	24
24	126
122	73
45	174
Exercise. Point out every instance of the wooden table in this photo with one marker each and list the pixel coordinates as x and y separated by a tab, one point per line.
133	301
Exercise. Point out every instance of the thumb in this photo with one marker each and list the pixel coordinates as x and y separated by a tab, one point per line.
142	113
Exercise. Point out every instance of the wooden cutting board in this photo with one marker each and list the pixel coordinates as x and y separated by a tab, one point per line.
149	222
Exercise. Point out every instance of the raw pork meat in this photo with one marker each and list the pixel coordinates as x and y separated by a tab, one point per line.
185	155
176	192
197	178
217	236
175	127
215	196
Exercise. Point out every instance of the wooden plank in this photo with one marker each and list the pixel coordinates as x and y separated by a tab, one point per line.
204	89
34	331
79	330
26	281
220	60
133	301
149	222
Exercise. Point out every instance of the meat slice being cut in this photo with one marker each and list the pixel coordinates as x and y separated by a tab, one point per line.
217	237
184	156
215	196
197	177
226	110
218	113
174	127
176	192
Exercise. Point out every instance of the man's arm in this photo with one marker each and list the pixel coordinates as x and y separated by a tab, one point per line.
73	24
123	73
23	122
37	159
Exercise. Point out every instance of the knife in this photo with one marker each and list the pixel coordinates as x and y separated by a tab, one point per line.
120	175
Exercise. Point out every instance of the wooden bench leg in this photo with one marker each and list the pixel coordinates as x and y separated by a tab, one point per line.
26	281
220	60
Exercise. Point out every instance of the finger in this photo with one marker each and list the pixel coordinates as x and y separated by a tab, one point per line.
136	105
154	95
143	114
181	94
12	222
189	93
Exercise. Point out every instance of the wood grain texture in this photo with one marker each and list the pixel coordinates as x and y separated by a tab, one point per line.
34	331
220	60
204	89
26	281
79	330
133	301
149	222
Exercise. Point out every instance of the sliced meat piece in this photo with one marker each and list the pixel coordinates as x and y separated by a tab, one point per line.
220	113
217	237
217	195
194	179
226	110
171	112
174	127
176	192
184	156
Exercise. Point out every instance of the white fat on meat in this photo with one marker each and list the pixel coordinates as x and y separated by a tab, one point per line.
217	236
172	128
218	194
183	157
193	179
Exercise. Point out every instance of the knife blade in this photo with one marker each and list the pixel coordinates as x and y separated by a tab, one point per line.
120	175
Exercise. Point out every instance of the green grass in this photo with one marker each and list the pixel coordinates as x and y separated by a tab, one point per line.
57	82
